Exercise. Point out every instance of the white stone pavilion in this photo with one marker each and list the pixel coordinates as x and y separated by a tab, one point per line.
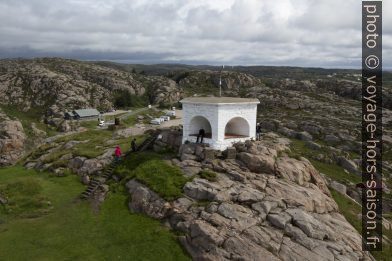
226	120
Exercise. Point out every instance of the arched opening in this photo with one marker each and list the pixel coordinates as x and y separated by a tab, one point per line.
237	128
200	122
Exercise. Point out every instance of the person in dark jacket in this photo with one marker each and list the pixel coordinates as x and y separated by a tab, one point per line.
258	131
201	135
133	145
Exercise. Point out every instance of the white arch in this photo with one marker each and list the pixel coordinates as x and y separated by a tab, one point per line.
200	122
237	127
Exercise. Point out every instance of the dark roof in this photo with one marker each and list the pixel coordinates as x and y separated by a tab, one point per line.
219	100
86	112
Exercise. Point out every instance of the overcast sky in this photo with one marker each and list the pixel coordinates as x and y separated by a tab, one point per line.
316	33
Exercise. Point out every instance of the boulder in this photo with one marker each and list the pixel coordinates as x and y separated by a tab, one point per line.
347	164
312	145
64	126
342	189
209	154
231	153
331	139
12	139
85	179
287	132
145	201
313	129
262	163
3	200
305	136
76	163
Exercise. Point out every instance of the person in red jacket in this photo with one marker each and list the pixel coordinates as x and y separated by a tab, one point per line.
117	153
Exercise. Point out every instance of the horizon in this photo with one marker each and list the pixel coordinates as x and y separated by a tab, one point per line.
387	69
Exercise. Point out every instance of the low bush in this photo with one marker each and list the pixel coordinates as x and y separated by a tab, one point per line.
208	175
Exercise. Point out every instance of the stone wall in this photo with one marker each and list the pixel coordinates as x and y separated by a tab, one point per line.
171	138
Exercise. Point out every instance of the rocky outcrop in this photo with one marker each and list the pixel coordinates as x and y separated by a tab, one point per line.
146	201
277	209
164	91
232	82
12	138
57	85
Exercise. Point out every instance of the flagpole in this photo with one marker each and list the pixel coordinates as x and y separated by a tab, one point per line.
220	81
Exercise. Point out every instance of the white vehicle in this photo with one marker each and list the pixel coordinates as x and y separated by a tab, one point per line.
101	123
156	121
165	118
171	113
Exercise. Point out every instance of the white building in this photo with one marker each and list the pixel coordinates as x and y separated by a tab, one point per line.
226	120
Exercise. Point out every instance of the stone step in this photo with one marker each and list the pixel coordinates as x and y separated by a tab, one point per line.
104	177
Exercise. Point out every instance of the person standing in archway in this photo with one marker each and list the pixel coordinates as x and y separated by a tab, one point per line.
258	131
201	135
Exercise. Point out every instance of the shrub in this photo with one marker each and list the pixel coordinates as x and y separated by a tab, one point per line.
208	175
124	99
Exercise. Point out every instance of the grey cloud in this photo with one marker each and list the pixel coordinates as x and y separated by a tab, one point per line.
285	32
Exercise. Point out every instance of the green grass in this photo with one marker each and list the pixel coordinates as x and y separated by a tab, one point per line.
150	169
132	120
298	148
208	175
349	209
164	179
25	198
92	125
94	146
335	172
132	161
96	135
71	231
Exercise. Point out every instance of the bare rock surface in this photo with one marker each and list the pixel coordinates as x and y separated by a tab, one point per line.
280	210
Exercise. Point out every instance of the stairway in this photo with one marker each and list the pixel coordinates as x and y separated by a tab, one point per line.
147	143
99	180
107	174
